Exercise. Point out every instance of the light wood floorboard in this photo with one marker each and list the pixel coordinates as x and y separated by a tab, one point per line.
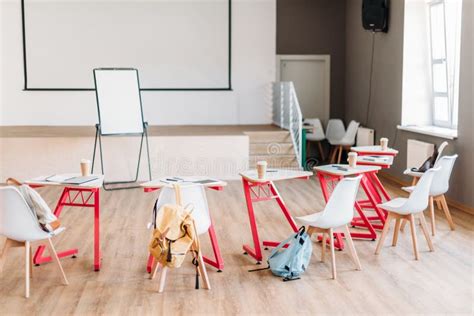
390	283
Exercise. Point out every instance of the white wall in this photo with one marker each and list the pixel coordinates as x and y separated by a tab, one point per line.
253	69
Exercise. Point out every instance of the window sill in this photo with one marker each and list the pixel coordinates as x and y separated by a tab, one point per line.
435	131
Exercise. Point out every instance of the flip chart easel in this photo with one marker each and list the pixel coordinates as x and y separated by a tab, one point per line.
119	107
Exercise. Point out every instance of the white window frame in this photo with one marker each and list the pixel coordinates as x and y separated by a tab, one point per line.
439	61
450	93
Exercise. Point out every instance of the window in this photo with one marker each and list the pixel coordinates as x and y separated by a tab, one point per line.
445	32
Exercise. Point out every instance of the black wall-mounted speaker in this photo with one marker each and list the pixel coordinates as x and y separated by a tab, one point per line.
375	15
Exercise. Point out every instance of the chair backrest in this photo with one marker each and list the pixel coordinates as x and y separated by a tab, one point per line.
17	220
440	184
190	194
318	131
418	199
351	132
440	150
340	207
335	130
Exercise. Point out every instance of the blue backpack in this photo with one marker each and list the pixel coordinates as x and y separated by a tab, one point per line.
291	262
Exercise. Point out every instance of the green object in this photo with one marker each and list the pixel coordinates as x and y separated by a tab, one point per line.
303	148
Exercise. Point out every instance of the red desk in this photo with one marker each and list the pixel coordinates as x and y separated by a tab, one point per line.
85	195
375	156
218	185
330	175
259	190
374	150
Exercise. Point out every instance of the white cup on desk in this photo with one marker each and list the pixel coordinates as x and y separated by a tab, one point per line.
384	143
261	169
352	159
85	167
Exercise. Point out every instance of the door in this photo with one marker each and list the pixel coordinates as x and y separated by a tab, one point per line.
310	76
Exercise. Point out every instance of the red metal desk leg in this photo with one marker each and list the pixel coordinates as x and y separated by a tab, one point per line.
283	207
369	191
218	262
380	186
97	254
256	252
149	263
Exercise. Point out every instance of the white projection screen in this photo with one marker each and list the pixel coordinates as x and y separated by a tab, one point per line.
174	44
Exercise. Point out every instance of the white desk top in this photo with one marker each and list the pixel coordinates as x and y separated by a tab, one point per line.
376	160
40	181
348	171
275	175
374	150
163	182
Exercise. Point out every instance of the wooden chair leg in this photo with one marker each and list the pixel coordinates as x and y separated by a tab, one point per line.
384	233
413	236
402	226
31	262
333	154
321	151
203	272
163	273
438	204
398	222
323	247
352	249
54	254
154	269
6	246
446	212
339	155
424	228
27	269
333	255
432	215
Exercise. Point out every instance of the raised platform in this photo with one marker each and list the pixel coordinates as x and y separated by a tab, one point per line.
217	151
154	130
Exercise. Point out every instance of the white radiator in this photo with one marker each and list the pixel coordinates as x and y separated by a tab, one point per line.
365	136
418	152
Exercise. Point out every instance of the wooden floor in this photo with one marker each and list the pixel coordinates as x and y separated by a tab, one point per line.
391	283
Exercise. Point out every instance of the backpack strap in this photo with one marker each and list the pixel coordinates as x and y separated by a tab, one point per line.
177	192
155	211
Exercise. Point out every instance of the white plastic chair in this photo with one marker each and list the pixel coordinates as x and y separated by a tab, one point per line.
195	196
317	135
338	212
335	130
341	143
438	189
20	226
409	209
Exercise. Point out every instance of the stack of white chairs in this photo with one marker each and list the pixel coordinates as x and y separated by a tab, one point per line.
340	138
316	135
